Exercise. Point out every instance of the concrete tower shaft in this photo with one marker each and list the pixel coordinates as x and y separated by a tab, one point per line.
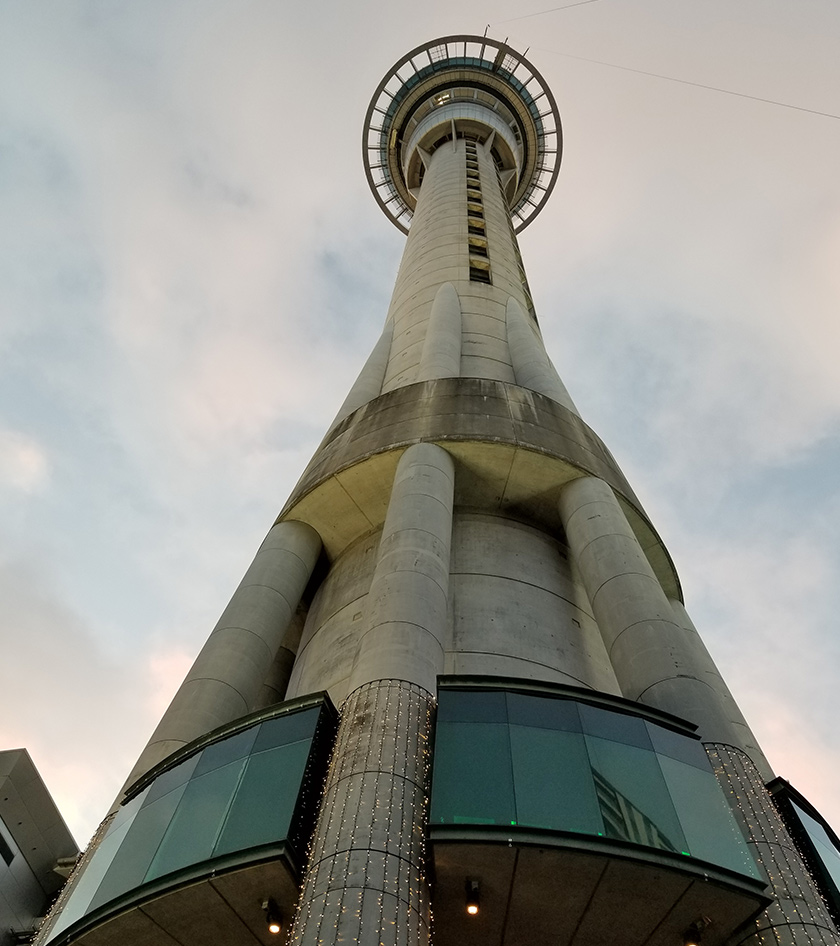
464	571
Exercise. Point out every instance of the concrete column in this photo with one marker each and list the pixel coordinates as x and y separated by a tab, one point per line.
798	915
406	615
441	356
365	881
531	364
709	676
276	682
656	661
369	383
227	677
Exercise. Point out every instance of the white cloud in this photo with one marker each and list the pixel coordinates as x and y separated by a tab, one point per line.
24	464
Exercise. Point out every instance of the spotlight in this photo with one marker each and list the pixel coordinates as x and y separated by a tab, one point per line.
272	915
473	901
693	936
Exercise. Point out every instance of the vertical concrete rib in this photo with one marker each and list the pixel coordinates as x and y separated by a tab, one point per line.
441	356
531	364
276	682
406	615
798	915
227	677
656	661
365	881
708	673
369	383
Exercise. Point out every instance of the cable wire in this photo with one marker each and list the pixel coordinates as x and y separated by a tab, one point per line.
698	85
526	16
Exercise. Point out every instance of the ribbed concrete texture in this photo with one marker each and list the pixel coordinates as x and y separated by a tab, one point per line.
656	659
798	916
531	364
441	356
366	881
445	323
405	628
369	383
518	607
226	680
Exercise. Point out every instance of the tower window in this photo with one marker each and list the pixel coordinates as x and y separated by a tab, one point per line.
480	270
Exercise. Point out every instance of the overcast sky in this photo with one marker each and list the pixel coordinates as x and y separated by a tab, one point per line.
192	271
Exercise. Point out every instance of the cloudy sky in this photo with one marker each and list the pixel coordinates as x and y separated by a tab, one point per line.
192	271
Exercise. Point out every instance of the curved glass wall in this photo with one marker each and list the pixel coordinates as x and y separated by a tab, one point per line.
234	797
558	763
815	838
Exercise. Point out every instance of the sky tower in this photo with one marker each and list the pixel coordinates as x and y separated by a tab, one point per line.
456	698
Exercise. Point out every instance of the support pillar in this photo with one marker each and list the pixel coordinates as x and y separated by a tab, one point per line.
365	881
531	364
655	659
369	383
227	677
441	356
407	613
798	915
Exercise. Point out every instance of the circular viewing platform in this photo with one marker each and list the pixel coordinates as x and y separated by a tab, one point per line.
466	86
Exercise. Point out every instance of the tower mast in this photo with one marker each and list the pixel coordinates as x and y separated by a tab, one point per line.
528	723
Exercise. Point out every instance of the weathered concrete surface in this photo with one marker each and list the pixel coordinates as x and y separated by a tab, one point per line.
366	880
226	680
656	659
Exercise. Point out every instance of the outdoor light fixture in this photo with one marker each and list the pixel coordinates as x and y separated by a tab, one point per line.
472	897
272	915
694	934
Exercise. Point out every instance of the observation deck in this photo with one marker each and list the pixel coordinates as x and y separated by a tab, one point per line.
462	86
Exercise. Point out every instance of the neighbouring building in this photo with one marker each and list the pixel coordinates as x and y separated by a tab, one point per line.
36	849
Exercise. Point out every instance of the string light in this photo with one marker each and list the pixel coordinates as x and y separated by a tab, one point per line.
382	752
797	903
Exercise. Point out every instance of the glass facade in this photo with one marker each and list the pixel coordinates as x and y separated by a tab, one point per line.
817	842
244	791
551	763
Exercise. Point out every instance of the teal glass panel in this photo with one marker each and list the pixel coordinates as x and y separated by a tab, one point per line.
823	844
632	795
265	800
129	867
78	903
684	748
473	782
472	706
226	750
285	729
198	820
176	777
628	730
552	781
543	713
710	829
